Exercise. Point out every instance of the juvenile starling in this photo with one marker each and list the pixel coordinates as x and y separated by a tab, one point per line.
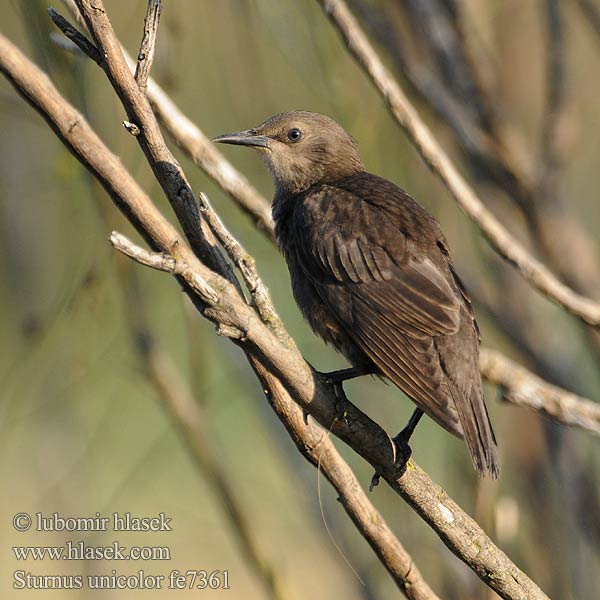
372	274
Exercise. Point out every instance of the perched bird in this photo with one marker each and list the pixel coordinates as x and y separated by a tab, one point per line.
372	274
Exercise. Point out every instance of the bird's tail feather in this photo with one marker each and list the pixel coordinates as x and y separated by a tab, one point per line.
478	433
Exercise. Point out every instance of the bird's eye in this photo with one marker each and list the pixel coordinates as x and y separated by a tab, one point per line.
294	134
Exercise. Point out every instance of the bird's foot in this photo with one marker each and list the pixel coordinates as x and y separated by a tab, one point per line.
336	379
341	401
374	481
403	452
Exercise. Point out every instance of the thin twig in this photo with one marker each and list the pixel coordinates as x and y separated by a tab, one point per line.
439	162
164	262
520	386
75	36
148	45
261	298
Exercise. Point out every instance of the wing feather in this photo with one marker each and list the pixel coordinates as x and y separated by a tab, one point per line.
398	300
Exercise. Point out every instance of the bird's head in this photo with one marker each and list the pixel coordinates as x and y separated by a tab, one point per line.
301	149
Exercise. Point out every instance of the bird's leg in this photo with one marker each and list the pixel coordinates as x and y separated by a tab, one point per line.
336	380
404	436
338	377
401	440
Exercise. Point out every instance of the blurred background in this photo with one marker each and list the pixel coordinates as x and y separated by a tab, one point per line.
510	88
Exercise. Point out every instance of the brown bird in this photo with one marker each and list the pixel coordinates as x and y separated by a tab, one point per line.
372	274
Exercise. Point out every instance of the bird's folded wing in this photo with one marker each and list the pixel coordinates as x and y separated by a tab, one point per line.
396	303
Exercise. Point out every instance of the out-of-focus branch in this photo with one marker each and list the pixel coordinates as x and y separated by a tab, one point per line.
146	54
438	20
520	386
592	13
555	99
435	157
276	365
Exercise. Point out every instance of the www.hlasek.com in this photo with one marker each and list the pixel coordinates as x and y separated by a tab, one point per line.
79	550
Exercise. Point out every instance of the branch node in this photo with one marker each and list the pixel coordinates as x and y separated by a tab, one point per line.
230	332
132	128
167	263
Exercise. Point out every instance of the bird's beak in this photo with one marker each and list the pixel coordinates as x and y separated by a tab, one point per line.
244	138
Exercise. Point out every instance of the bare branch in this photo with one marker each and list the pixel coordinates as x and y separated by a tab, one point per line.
75	36
439	162
555	98
520	386
164	262
147	47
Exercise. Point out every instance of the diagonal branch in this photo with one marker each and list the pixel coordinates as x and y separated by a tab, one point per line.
592	13
245	264
439	162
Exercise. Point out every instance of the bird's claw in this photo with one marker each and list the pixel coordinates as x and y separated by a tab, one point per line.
335	381
305	414
374	481
341	414
403	452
